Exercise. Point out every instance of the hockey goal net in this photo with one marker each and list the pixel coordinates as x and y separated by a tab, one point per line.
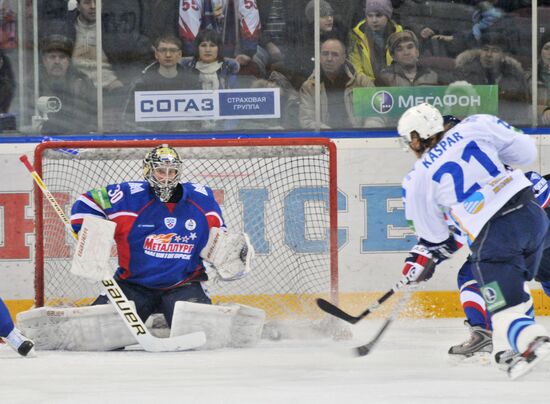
281	192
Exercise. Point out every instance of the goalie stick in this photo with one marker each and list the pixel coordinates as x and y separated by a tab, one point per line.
334	310
115	294
365	349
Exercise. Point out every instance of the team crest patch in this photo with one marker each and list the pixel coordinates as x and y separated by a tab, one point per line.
190	224
493	296
474	203
170	222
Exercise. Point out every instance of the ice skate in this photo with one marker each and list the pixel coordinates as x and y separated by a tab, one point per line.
20	344
479	344
524	363
505	358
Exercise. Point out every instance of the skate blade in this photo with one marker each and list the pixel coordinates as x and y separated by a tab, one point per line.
522	367
478	358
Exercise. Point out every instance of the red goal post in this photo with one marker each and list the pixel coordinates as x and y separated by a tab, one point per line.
282	192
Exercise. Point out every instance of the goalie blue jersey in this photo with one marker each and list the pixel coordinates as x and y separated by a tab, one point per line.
158	243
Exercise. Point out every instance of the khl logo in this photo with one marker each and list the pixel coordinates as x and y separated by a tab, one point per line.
382	102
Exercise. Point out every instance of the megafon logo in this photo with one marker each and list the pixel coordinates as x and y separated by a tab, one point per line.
382	102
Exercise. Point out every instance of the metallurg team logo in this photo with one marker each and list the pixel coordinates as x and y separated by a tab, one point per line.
382	102
169	245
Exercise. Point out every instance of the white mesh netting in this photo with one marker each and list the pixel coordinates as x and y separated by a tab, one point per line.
279	195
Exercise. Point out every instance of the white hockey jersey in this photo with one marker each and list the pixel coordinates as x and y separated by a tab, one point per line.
464	177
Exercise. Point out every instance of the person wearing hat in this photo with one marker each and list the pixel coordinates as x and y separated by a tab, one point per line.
58	78
491	64
405	70
369	53
300	52
543	83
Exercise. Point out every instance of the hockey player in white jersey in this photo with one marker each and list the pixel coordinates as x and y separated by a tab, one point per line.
461	173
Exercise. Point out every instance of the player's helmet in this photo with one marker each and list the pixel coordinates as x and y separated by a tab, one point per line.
424	119
162	169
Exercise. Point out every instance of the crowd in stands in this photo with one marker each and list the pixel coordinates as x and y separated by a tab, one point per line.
151	45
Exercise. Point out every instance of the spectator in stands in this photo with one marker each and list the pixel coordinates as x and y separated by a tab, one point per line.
543	73
491	65
52	17
238	24
166	74
209	68
126	50
368	38
290	104
160	18
338	79
7	83
73	88
300	49
485	16
405	70
275	16
7	91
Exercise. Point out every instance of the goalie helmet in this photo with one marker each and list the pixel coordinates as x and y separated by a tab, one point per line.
162	170
424	119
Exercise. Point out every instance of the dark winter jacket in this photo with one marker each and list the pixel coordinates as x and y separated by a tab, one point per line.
78	103
513	90
127	48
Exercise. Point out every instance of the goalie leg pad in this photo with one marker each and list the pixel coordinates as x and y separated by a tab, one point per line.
247	326
215	321
91	328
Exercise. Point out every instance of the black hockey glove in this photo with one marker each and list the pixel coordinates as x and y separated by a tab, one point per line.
419	265
441	251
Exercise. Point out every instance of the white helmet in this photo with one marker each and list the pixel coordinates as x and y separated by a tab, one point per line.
424	119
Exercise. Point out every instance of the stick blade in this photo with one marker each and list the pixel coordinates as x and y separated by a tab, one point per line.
362	350
331	309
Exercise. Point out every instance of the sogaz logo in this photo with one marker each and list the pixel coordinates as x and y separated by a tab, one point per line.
382	102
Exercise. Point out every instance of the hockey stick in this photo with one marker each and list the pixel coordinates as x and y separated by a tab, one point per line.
330	308
365	349
115	294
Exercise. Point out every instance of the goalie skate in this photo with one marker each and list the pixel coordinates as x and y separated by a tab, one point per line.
524	363
478	346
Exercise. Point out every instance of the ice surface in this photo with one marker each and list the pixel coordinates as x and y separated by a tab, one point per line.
410	365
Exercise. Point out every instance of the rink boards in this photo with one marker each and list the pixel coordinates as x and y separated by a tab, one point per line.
373	235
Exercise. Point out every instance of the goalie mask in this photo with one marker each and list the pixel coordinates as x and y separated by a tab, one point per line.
162	170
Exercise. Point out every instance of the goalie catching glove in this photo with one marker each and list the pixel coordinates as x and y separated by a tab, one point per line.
229	253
